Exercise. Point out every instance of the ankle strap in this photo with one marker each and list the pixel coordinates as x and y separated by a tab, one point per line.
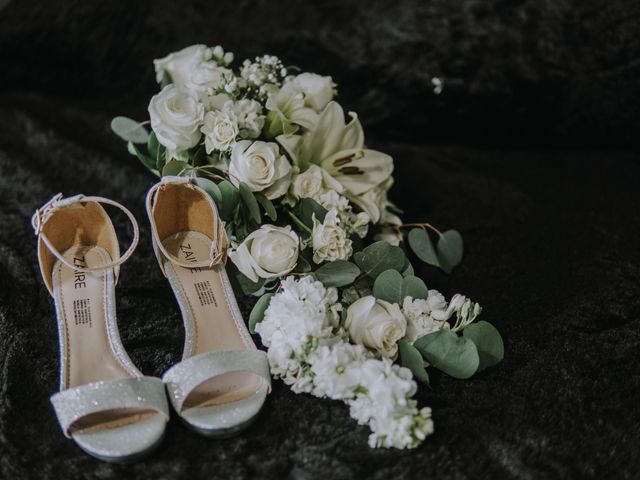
218	251
44	213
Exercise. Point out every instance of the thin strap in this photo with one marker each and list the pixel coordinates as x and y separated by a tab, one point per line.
218	248
44	213
185	376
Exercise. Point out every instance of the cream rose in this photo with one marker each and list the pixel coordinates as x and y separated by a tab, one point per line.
176	116
376	324
318	90
330	242
261	167
268	252
220	131
180	64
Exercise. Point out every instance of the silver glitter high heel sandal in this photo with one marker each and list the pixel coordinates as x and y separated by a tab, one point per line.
222	381
105	404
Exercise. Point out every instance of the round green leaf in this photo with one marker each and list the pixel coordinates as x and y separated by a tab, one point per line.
211	188
129	130
378	257
450	250
413	287
257	312
175	168
422	246
446	351
388	287
337	273
488	342
410	357
307	208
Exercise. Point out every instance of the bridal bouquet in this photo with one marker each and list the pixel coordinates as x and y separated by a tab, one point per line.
314	236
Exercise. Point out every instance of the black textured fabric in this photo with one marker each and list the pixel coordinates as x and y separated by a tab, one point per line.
551	233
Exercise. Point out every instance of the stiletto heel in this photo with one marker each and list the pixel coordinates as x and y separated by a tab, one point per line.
105	404
222	381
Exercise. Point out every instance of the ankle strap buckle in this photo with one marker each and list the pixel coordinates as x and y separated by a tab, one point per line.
44	213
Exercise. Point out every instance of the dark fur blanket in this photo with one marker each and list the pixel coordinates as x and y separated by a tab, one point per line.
535	166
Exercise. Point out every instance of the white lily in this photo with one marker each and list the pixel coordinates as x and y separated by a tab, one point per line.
287	111
339	149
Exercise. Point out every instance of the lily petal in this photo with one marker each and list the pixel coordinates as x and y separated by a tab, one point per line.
359	170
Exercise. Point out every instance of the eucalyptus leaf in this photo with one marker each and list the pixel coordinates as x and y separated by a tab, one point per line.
257	312
337	273
129	130
413	287
488	342
230	198
388	287
153	146
267	205
422	246
446	351
303	265
250	202
450	250
247	286
307	208
176	168
211	188
411	358
378	257
407	268
446	254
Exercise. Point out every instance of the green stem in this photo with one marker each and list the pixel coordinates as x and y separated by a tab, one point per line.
299	222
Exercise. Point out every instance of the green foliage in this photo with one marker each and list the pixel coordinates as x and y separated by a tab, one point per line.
257	312
488	342
337	273
446	254
211	188
230	200
410	357
267	206
378	257
446	351
249	200
129	130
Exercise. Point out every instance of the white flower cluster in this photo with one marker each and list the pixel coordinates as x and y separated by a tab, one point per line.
308	348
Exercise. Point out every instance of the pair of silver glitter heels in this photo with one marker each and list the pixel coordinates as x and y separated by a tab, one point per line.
105	404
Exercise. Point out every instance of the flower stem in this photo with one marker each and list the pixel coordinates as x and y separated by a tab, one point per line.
419	225
299	222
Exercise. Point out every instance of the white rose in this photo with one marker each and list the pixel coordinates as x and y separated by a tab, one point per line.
318	90
176	116
330	242
261	167
376	324
179	64
220	130
308	183
205	77
267	252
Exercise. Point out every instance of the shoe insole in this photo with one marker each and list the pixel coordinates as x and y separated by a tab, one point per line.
214	325
82	300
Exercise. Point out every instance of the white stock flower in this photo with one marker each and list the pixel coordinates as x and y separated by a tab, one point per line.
307	351
220	130
176	115
424	316
248	115
376	324
330	242
179	64
261	167
318	90
267	252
